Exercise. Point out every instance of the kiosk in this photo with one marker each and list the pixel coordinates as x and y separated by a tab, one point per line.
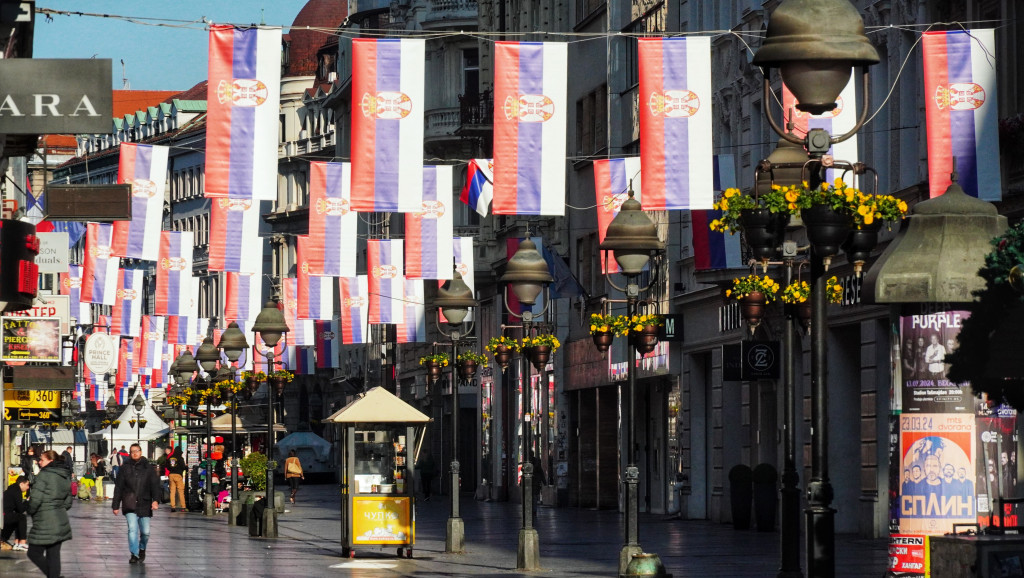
377	437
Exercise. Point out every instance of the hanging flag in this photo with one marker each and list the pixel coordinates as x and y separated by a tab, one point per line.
613	179
328	340
463	249
332	223
243	102
387	124
413	327
355	307
300	331
530	116
99	272
235	244
127	311
71	285
675	122
152	341
242	293
428	232
305	360
174	273
961	111
713	250
315	292
126	359
144	167
479	188
386	281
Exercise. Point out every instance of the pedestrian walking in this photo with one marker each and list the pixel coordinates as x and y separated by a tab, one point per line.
137	491
16	515
427	470
99	469
68	458
48	503
30	463
176	478
293	472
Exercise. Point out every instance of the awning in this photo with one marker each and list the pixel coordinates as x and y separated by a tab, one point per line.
378	405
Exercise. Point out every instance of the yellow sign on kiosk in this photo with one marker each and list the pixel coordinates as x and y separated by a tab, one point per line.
382	520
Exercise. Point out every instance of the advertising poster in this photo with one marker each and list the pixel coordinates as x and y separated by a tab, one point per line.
997	455
381	520
924	341
936	464
31	339
908	555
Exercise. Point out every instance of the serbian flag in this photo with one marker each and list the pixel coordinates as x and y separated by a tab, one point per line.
99	272
712	250
152	341
386	281
126	369
242	293
332	223
428	232
235	244
613	179
144	167
305	360
174	273
387	124
71	285
354	309
127	310
300	331
961	111
530	115
837	121
479	188
315	292
413	327
242	101
328	340
464	265
675	123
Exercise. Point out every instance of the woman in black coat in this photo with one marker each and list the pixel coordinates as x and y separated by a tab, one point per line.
15	519
48	503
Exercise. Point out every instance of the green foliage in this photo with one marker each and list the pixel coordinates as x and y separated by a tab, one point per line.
255	467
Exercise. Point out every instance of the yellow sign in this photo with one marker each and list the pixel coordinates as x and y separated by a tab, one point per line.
31	398
382	520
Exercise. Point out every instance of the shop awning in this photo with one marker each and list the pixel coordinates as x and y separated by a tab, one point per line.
378	405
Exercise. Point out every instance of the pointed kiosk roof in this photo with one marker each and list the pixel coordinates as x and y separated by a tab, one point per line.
378	405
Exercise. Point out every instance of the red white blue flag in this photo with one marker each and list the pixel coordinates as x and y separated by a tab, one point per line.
305	359
387	124
428	232
713	250
675	123
386	280
71	285
144	167
413	327
478	192
127	311
837	121
328	342
174	273
961	111
464	265
242	293
243	102
99	273
152	341
126	367
332	223
530	116
613	179
235	244
315	292
300	331
355	308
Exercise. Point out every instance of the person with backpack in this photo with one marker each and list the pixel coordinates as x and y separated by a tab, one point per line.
137	491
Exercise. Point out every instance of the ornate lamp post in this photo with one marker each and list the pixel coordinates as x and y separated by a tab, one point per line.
184	367
271	326
454	298
815	64
233	343
527	275
634	239
208	356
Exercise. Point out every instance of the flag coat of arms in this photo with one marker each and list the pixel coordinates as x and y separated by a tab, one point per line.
961	111
530	116
174	273
71	285
235	244
144	167
413	327
387	124
315	292
328	340
386	280
355	307
152	341
127	311
332	223
675	123
242	293
99	271
300	331
478	192
243	100
613	179
428	232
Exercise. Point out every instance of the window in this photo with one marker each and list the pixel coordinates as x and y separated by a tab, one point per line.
471	73
591	122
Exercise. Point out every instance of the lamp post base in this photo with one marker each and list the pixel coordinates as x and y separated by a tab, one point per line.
208	504
626	556
234	509
821	541
528	556
270	523
455	537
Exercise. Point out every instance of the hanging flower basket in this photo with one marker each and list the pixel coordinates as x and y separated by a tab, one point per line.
502	348
752	309
859	243
539	355
467	369
278	384
502	356
468	362
802	313
645	340
826	229
434	363
433	370
602	340
763	232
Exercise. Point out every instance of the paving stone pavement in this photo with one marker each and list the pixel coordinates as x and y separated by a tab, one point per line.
573	543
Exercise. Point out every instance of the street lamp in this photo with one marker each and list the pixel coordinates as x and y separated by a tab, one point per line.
208	356
634	239
271	326
527	275
455	298
139	406
233	343
184	366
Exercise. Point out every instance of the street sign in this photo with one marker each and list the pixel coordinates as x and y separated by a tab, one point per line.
100	353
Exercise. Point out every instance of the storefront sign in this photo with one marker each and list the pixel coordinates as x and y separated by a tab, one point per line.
672	330
30	339
908	555
381	520
48	306
748	360
55	96
53	252
100	353
31	405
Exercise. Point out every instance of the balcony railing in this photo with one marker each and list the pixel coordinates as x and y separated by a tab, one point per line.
476	111
442	122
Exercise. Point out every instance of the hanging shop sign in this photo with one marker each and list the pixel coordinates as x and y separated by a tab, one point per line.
31	405
30	339
58	306
100	353
749	360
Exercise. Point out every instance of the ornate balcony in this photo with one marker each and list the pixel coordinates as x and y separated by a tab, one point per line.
441	123
476	115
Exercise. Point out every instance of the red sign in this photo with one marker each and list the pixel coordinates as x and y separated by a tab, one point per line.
908	555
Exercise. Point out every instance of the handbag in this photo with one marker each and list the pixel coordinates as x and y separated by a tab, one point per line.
293	468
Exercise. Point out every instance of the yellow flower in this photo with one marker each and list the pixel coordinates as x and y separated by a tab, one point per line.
839	184
724	204
728	292
792	196
869	218
730	192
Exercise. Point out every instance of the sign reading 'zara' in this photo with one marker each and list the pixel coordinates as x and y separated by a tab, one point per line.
55	96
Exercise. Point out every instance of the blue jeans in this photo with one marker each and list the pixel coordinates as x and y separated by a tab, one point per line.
135	523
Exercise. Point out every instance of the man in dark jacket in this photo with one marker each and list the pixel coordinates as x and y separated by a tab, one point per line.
176	477
137	491
68	458
15	514
48	503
